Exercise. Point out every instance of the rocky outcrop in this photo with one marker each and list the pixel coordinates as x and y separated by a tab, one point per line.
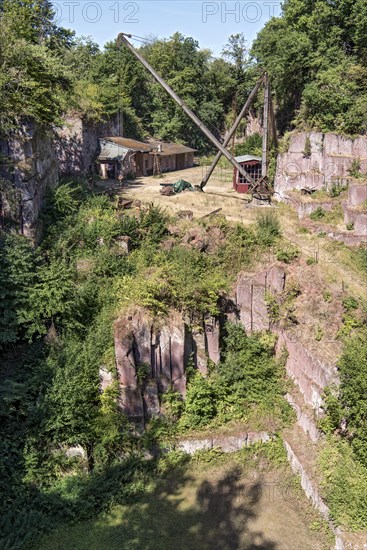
317	160
227	444
251	293
152	357
355	208
31	167
76	143
310	374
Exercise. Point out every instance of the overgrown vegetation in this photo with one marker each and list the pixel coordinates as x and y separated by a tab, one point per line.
58	305
248	380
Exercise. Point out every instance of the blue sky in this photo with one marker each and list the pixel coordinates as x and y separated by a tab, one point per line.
209	22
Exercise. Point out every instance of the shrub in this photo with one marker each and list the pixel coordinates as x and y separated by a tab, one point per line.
200	402
251	146
318	214
350	226
352	406
287	255
344	485
336	189
307	150
355	168
268	228
350	303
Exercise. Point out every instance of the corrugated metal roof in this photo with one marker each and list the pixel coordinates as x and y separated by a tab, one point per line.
167	148
170	148
112	151
131	144
247	158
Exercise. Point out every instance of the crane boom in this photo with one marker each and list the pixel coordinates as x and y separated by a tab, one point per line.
232	132
121	38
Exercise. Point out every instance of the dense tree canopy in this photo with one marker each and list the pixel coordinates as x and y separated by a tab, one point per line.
316	55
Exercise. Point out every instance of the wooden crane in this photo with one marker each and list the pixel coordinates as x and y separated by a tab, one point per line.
255	187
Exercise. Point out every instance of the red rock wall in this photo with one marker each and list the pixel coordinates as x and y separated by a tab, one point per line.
34	168
331	158
166	351
309	373
76	143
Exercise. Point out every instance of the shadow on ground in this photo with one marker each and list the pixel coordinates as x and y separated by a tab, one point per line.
179	514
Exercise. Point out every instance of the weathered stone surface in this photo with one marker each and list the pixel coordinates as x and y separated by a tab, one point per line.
304	420
359	219
76	450
250	294
163	357
357	194
177	356
142	330
105	378
309	373
76	143
191	446
199	349
330	159
151	399
212	339
124	242
124	353
131	403
228	444
34	169
275	279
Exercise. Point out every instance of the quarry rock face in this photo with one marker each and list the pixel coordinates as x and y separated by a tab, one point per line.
76	143
251	293
357	194
39	156
310	374
34	169
355	208
151	358
315	160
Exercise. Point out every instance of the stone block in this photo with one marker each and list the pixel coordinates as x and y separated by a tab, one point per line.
124	243
124	353
357	194
151	399
131	403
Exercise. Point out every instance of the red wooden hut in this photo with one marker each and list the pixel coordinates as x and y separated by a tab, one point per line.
252	165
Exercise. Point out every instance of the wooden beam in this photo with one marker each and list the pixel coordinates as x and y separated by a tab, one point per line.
232	132
184	107
264	156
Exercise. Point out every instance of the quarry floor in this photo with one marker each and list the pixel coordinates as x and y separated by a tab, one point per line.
226	503
333	258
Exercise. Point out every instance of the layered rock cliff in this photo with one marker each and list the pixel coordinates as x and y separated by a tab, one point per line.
317	160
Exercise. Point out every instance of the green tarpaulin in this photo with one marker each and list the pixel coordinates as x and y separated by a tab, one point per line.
182	185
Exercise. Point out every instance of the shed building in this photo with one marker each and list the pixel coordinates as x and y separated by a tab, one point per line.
131	158
252	165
